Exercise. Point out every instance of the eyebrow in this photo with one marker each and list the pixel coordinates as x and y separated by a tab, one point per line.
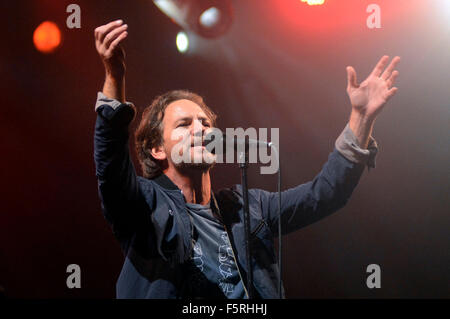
183	119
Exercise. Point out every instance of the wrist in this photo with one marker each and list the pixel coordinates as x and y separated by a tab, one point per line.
362	117
114	87
115	71
361	125
114	77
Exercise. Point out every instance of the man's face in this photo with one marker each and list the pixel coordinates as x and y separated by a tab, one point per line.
184	126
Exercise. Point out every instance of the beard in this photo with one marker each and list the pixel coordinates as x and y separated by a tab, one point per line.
203	167
201	160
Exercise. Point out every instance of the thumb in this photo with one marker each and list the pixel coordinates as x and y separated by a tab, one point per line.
351	78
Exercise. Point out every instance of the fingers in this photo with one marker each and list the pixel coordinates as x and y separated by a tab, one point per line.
392	78
351	77
380	66
391	93
112	35
114	44
387	73
103	30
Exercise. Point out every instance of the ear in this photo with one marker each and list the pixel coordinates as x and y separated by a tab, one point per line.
159	153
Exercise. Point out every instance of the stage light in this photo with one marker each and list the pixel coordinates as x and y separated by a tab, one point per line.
314	2
182	42
207	18
210	17
447	6
47	37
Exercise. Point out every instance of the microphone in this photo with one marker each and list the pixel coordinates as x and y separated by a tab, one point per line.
217	142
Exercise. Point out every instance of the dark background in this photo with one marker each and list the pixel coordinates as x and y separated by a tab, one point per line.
282	64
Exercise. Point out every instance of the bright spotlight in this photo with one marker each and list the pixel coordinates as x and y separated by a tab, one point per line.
182	42
207	18
47	37
314	2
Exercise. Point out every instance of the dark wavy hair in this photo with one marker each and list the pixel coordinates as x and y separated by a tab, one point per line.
149	133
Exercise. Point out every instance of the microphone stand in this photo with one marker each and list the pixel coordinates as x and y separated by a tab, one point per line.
243	165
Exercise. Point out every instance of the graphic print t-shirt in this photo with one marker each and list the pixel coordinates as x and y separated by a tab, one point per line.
212	270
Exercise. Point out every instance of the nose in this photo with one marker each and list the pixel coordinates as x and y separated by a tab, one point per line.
198	128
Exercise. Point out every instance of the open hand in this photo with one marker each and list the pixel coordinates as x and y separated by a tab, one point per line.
369	97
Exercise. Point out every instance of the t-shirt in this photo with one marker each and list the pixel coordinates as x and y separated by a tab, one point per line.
213	271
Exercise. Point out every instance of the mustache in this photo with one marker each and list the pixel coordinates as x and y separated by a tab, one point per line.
192	141
198	141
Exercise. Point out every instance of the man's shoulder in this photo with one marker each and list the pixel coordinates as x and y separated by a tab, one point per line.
144	182
161	181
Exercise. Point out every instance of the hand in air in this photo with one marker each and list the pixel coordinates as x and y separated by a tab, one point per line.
107	42
369	97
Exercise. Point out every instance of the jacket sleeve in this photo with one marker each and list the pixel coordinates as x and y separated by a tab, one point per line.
329	191
118	187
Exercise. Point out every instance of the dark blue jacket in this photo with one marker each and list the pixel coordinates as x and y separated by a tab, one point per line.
149	218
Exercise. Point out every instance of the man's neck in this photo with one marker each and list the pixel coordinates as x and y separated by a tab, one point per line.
194	183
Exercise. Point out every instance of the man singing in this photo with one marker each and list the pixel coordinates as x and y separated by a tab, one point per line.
182	240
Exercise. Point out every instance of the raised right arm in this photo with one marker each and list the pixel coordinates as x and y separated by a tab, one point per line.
118	187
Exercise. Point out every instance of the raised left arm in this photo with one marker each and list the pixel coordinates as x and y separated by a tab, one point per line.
332	187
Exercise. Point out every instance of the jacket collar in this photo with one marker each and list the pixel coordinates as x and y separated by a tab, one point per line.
223	203
165	182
